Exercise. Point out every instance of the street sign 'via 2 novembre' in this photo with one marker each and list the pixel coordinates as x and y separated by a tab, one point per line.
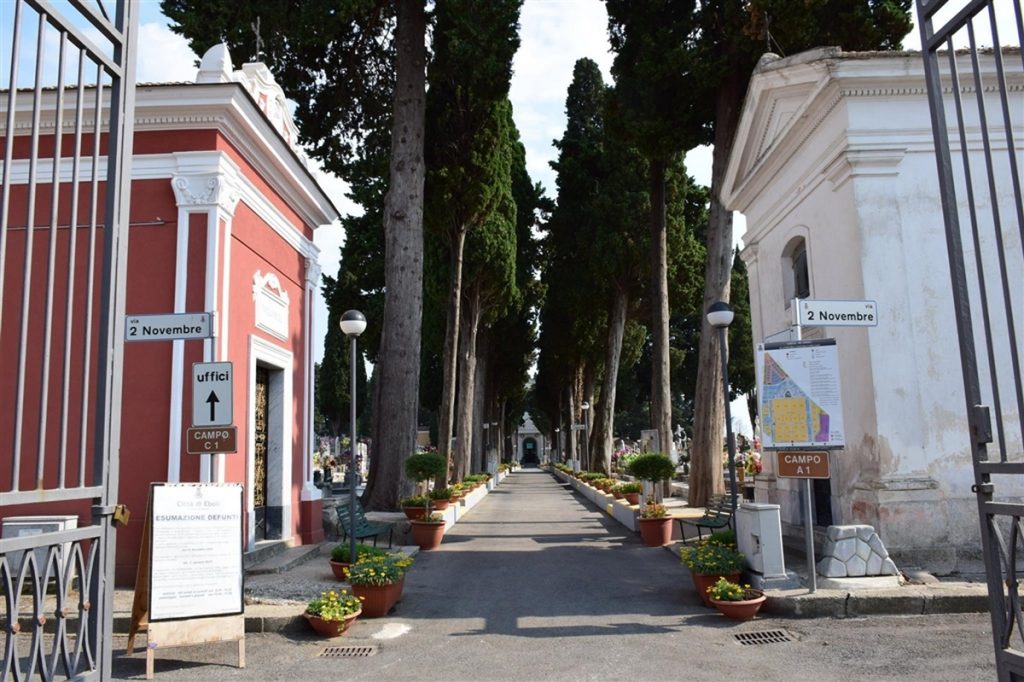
212	403
169	327
812	313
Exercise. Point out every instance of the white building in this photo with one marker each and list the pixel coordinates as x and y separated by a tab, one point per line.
531	445
834	168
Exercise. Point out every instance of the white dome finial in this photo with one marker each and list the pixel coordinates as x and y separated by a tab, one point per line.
215	66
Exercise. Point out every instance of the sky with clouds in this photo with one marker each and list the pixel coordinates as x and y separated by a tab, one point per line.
553	34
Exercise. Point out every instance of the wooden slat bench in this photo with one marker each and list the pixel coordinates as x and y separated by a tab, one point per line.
364	528
717	515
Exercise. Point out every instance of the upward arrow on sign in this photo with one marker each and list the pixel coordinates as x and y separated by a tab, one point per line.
213	400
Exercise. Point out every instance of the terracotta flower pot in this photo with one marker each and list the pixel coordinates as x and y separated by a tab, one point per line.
378	599
633	498
338	568
331	628
427	534
616	494
745	609
702	581
656	532
413	513
439	505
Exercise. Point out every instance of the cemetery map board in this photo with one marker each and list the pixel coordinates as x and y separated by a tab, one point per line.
801	406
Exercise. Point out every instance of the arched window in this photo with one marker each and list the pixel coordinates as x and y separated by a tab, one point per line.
796	280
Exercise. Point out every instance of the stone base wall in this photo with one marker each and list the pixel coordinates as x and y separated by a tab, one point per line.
920	525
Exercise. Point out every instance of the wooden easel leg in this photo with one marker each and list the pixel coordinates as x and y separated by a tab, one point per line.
149	663
241	653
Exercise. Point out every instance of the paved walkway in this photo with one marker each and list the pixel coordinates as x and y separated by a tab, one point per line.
543	561
534	583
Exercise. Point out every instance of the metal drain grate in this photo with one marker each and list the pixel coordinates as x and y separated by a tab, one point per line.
348	651
764	637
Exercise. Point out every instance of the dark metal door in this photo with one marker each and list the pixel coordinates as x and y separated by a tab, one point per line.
63	246
978	126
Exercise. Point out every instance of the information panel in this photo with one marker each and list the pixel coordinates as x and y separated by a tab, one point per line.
800	397
196	551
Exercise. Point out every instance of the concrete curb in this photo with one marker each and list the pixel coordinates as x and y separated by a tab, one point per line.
910	600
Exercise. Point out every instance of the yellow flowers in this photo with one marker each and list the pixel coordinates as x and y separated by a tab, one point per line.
331	606
709	558
379	570
725	590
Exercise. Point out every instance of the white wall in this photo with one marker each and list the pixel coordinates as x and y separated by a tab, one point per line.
853	171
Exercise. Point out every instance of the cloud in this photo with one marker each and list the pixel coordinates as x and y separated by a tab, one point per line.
164	57
553	35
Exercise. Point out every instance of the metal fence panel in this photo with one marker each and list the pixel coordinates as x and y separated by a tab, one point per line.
67	114
978	128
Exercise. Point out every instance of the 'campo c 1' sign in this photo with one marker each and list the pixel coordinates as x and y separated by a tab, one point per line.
796	464
210	440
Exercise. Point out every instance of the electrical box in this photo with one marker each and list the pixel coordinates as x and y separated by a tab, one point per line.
759	537
21	526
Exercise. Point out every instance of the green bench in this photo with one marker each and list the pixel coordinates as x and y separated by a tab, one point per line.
717	515
363	527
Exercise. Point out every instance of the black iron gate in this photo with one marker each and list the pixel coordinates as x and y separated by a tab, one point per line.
67	112
975	94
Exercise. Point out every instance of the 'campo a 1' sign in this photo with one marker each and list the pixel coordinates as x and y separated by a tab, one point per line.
801	464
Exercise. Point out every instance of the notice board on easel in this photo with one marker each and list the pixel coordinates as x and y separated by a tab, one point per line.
189	586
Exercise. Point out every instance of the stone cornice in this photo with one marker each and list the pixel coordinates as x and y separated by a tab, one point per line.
229	109
832	83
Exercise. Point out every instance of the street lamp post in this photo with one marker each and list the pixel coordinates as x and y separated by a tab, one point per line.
720	317
352	325
585	406
558	437
495	444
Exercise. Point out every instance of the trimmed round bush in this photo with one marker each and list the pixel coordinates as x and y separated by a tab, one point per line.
653	466
425	466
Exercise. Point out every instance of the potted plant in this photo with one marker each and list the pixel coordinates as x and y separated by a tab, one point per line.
711	559
653	467
428	531
739	602
415	506
332	613
655	524
340	559
378	581
440	498
422	467
631	491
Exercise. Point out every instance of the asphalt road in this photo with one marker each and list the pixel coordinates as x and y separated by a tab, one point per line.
536	584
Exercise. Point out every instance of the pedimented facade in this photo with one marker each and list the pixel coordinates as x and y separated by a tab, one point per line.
223	211
834	168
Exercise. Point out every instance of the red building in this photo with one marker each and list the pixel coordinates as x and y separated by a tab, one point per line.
223	210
